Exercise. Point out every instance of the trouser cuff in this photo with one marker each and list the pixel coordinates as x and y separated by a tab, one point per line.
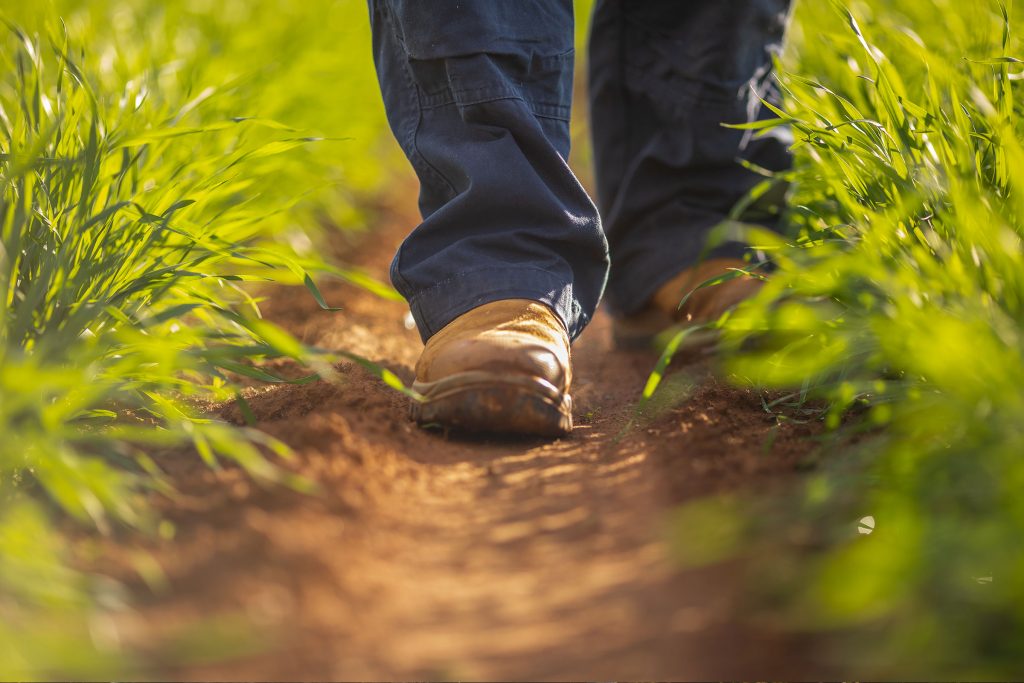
437	306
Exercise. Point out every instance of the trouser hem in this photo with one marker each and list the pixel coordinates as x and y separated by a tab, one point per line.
437	306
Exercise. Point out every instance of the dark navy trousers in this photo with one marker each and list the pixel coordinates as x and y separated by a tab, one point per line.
478	94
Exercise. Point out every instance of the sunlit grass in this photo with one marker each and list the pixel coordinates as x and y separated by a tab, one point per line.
900	297
157	158
152	168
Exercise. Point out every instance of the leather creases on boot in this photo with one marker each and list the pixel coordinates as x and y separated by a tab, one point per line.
663	311
503	367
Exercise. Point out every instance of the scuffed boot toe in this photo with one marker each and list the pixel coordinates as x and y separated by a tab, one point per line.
501	368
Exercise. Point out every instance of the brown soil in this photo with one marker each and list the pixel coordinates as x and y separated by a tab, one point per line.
427	555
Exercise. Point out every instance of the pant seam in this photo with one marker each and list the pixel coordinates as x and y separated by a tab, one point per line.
413	137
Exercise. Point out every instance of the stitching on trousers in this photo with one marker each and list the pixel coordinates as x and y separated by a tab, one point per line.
415	155
414	142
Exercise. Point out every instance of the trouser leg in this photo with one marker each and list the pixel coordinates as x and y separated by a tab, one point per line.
478	96
664	74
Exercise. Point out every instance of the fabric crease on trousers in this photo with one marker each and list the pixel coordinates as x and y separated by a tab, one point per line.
478	95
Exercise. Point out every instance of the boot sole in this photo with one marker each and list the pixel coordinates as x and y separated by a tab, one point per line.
493	403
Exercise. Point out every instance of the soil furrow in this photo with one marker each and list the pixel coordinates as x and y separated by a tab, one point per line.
430	555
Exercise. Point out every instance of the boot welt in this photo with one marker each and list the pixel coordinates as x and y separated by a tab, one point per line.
480	401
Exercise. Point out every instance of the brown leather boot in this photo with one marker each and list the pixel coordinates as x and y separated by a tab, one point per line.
502	367
663	311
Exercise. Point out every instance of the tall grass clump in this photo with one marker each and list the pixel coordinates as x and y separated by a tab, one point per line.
154	160
899	300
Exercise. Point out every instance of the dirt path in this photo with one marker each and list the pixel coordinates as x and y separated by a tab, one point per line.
426	556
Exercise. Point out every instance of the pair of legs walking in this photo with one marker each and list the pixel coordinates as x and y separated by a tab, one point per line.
478	94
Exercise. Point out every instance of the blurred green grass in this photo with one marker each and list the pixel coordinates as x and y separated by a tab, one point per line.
306	65
899	302
157	160
898	298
